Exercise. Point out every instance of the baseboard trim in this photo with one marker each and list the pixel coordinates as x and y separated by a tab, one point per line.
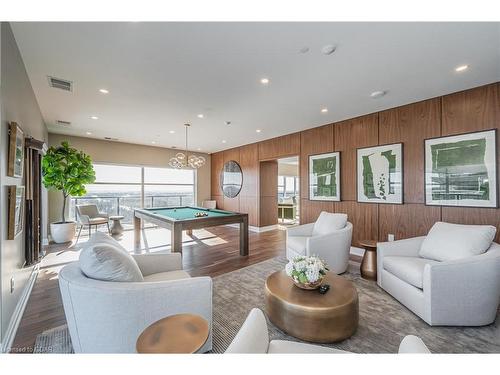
45	241
10	334
255	229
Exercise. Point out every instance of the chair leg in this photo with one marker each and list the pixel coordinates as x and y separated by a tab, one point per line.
109	230
79	232
90	230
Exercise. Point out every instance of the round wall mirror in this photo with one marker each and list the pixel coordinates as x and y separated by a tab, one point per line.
231	179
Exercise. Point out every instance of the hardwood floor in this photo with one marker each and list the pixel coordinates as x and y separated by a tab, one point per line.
210	252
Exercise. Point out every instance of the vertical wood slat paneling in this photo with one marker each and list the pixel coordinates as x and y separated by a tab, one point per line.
364	218
274	148
350	135
411	124
313	141
268	190
217	162
468	111
249	162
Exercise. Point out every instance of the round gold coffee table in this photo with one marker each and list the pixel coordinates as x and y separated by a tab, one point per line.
309	315
181	333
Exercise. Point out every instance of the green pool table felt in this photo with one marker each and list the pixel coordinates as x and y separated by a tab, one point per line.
184	213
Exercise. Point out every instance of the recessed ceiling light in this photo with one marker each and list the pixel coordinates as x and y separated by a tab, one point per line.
377	94
88	133
264	81
103	91
200	115
324	110
94	117
153	142
171	131
328	49
223	141
258	130
199	149
461	68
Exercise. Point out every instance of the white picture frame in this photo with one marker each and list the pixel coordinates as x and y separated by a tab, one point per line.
324	177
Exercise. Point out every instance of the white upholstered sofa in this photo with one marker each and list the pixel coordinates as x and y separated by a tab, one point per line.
329	238
253	338
449	277
109	316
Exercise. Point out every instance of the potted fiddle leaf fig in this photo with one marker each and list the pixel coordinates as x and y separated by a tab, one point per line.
68	170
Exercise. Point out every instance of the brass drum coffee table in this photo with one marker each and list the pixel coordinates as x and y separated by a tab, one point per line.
309	315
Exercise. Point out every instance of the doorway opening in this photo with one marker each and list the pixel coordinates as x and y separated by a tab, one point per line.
288	191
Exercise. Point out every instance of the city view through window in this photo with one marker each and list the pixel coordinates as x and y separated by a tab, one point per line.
118	190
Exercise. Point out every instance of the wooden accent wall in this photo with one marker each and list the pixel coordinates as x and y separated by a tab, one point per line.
466	111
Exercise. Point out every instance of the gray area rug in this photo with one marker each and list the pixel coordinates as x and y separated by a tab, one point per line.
383	321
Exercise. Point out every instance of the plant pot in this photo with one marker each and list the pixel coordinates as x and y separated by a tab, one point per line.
308	286
62	232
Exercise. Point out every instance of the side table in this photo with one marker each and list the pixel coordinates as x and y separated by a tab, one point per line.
369	264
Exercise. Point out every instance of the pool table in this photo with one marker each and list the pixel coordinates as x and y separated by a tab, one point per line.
177	219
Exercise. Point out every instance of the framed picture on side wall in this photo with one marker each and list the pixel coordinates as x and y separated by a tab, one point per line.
16	211
461	170
380	174
16	151
324	177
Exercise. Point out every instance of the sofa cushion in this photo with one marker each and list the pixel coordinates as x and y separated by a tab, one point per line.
328	222
166	276
297	244
447	241
408	269
100	237
103	261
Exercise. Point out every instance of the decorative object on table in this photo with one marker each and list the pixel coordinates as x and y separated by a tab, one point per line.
231	179
461	170
68	170
324	177
323	289
184	160
200	214
380	174
310	316
16	151
307	272
116	227
368	268
16	211
175	334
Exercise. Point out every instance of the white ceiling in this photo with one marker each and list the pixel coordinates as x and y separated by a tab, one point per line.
161	75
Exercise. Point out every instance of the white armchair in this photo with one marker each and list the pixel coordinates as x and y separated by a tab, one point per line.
253	338
329	238
108	317
463	292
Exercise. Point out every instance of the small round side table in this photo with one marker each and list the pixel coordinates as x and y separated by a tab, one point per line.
116	227
369	264
181	333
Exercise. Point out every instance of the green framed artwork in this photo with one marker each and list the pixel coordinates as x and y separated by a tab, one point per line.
324	177
461	170
380	174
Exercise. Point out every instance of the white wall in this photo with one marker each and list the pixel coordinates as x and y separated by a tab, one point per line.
18	104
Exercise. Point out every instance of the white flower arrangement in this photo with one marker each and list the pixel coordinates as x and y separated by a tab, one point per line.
306	269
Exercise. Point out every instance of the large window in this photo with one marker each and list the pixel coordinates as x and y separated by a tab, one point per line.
288	186
118	190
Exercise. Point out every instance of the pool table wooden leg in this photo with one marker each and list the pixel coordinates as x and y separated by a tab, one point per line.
176	238
244	237
137	234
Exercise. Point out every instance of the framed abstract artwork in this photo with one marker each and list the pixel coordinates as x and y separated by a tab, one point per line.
380	174
16	151
324	177
461	170
16	211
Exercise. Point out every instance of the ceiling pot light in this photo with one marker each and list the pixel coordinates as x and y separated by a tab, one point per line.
461	68
328	49
258	130
223	141
94	117
171	131
200	115
103	91
377	94
153	142
264	81
88	133
324	110
184	160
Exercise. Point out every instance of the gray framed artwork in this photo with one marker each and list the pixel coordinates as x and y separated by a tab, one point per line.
461	170
324	177
380	174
